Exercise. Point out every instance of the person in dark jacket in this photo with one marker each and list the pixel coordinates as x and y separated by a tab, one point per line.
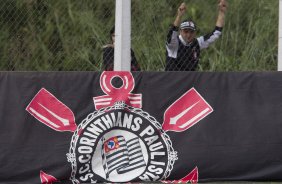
183	50
108	55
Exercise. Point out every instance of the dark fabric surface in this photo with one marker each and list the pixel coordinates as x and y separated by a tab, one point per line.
240	140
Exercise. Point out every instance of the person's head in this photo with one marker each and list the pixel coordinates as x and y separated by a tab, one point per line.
112	35
188	30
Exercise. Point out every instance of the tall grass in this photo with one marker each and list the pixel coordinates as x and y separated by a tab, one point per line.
69	34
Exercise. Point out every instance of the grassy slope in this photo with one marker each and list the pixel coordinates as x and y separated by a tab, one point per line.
68	34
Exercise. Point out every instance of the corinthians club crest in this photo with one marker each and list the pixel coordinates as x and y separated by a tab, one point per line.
120	142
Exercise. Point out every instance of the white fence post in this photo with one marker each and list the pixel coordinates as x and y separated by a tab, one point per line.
280	37
122	56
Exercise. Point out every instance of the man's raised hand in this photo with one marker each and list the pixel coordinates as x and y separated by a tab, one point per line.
182	9
222	5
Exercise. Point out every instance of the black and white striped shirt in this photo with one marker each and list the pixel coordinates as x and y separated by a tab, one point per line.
181	56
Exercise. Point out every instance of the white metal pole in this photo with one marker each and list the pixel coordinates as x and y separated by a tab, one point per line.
280	37
122	56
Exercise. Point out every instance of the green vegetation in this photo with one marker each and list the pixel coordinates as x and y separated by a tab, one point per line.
46	35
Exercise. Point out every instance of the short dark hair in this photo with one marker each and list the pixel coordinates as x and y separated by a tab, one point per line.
112	30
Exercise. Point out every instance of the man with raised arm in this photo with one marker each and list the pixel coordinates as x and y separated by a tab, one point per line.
183	50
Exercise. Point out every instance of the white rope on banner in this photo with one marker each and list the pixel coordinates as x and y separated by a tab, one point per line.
122	55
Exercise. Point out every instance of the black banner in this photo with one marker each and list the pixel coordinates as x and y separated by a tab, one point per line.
87	127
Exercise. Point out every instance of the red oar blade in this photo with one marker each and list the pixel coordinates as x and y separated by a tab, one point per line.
47	178
191	177
46	108
185	112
